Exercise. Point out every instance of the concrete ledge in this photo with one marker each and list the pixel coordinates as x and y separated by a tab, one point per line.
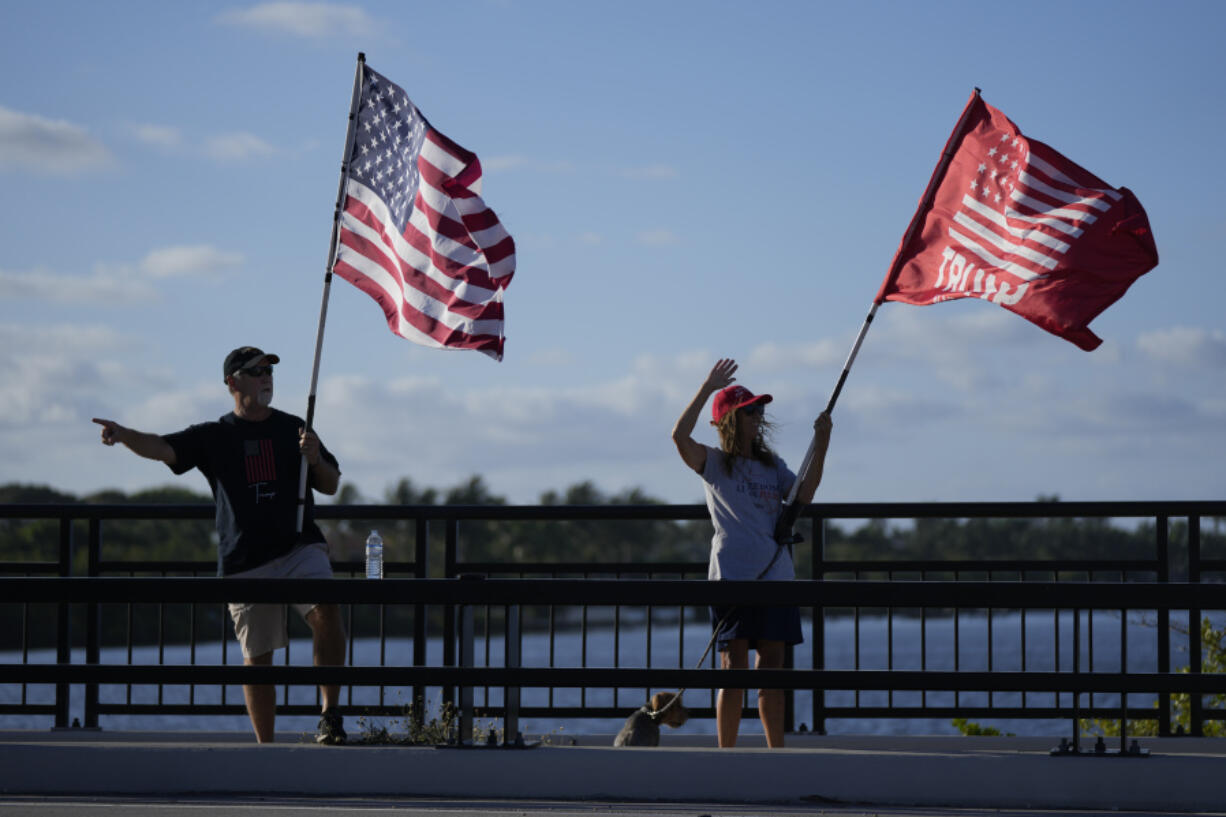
1180	775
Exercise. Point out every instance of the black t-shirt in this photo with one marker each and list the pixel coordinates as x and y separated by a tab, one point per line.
252	469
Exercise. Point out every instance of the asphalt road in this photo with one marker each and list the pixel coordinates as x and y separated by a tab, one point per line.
369	807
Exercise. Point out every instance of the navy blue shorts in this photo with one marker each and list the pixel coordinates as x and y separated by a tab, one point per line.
757	623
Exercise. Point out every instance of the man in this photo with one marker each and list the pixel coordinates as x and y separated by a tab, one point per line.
251	458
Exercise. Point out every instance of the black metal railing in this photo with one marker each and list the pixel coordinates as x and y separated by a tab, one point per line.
482	624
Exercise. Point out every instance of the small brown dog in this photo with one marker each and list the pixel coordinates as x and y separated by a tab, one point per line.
643	727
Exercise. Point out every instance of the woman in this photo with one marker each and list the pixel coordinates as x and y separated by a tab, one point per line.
746	484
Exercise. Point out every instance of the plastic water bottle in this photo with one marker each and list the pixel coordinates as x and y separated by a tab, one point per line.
374	555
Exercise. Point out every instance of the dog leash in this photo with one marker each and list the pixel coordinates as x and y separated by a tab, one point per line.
719	626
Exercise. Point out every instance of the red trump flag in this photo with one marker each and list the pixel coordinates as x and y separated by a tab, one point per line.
1009	220
415	233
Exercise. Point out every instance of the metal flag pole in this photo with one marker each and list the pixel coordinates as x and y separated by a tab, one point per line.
784	533
323	307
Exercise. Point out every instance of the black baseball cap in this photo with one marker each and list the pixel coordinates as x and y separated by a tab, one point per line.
245	356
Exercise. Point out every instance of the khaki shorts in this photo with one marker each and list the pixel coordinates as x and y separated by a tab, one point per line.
262	628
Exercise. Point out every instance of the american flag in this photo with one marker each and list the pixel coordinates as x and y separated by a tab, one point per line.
414	232
260	461
1014	222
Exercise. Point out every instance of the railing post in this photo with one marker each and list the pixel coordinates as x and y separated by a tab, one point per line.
465	702
789	662
817	570
789	694
1162	530
1195	701
93	625
1076	670
1123	676
449	620
63	636
513	660
421	571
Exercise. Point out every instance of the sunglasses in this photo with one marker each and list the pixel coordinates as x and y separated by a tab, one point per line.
256	371
755	410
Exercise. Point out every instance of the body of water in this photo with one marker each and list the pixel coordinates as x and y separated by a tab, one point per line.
871	643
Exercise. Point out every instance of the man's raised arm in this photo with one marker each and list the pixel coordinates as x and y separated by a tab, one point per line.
149	446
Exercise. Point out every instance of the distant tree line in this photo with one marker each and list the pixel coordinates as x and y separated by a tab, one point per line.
591	542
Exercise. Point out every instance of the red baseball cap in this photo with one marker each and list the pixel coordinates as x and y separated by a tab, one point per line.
733	398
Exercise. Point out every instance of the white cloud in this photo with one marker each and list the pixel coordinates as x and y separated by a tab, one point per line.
887	411
160	136
313	20
48	372
101	287
187	261
1070	430
522	438
818	354
55	378
954	330
235	146
238	146
120	284
972	347
525	439
657	238
33	143
1185	346
177	408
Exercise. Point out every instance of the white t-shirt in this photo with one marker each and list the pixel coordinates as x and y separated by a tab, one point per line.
744	507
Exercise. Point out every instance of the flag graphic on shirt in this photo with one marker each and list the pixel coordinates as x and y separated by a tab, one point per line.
1015	223
415	234
261	466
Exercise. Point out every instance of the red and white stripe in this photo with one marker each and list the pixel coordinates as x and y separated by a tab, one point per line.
1009	220
1023	217
440	284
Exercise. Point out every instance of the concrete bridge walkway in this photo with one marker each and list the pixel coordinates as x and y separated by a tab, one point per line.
685	775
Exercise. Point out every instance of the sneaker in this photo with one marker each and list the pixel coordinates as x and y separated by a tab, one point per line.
331	730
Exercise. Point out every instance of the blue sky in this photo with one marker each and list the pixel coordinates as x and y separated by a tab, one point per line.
684	181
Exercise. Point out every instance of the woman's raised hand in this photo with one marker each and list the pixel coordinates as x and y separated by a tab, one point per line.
721	375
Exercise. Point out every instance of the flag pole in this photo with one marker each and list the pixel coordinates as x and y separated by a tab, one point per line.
323	307
784	534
